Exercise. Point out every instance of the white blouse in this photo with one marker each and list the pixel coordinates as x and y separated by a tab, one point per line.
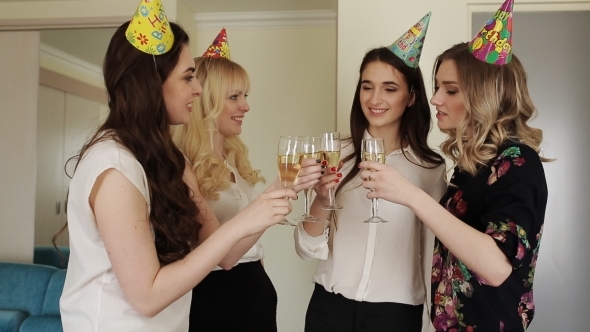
92	299
231	201
375	262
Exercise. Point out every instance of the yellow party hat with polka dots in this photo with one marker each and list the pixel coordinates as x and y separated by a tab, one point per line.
149	30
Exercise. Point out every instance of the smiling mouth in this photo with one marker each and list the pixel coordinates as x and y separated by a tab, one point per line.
377	111
237	118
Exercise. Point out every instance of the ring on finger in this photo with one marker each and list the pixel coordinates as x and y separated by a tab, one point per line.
369	177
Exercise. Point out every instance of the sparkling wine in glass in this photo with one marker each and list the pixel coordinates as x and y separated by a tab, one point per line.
288	162
310	149
373	149
330	147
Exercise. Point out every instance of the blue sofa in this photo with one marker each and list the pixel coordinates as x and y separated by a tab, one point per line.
48	255
29	297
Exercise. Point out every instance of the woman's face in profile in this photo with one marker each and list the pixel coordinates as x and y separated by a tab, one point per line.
180	89
448	97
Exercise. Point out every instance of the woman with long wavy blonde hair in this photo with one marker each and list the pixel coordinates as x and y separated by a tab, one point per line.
237	295
489	224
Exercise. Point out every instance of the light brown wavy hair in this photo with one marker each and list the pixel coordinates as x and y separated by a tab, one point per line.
220	78
497	108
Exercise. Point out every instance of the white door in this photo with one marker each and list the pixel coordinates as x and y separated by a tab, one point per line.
50	137
554	51
66	122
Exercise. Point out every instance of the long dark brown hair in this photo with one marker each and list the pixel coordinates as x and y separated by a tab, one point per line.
415	122
138	120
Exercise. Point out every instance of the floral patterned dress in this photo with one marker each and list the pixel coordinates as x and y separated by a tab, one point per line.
507	201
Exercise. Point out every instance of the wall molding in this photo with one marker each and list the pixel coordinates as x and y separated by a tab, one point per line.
266	19
85	68
67	84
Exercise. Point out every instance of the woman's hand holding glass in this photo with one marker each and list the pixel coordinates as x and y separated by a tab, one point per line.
267	209
373	149
387	183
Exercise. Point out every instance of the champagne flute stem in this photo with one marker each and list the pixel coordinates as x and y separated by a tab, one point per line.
307	200
374	207
331	195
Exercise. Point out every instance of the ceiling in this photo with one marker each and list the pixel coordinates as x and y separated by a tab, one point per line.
215	6
85	43
80	43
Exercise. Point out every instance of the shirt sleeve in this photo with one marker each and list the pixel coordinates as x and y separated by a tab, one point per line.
310	247
515	205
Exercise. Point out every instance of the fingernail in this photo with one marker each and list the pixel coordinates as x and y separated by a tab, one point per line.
323	166
333	169
318	161
339	175
325	162
337	180
322	172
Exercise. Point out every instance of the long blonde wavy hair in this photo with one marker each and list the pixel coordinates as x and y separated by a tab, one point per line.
219	77
497	107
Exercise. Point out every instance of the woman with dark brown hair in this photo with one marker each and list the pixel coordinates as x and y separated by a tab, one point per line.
370	276
133	206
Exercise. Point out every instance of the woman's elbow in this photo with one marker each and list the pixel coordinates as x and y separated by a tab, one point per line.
146	309
227	264
500	275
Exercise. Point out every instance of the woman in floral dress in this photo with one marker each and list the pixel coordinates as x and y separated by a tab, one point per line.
488	225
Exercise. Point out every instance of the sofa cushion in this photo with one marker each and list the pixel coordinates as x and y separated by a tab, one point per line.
54	290
11	320
42	324
48	255
23	286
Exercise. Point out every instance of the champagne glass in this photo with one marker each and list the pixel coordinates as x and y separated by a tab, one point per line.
288	162
330	147
373	149
310	149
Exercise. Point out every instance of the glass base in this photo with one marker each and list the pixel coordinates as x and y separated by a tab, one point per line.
375	220
286	223
307	218
332	207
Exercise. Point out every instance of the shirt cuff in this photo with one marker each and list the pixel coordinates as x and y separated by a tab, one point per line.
312	242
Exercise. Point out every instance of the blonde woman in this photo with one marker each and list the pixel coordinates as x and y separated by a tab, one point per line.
489	224
238	294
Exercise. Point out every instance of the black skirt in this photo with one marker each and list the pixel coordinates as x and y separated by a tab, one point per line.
329	312
241	299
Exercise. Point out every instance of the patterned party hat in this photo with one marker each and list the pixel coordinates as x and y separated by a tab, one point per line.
408	47
219	48
149	30
493	43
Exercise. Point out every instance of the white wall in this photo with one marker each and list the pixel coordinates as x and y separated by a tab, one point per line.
292	71
19	65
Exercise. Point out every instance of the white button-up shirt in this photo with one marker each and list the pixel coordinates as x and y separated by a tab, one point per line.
231	201
376	262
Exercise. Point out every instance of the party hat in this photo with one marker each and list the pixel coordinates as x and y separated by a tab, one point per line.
219	48
408	47
493	43
149	30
